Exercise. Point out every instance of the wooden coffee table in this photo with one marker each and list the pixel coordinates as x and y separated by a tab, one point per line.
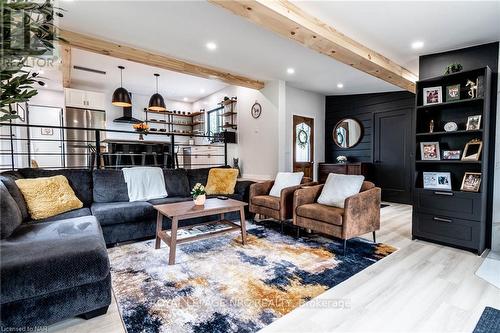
187	210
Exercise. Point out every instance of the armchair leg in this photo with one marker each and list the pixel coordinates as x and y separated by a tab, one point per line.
374	238
281	226
298	231
344	247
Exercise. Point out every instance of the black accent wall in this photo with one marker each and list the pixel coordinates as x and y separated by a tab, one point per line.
366	108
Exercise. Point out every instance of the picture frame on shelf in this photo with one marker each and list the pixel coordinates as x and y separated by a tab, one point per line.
471	182
433	95
452	154
429	151
473	123
453	92
472	150
437	180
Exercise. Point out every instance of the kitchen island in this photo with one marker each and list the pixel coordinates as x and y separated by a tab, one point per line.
128	153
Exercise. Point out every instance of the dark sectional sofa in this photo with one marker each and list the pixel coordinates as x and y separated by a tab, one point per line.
58	268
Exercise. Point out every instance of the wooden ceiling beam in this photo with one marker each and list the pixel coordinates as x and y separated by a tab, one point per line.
121	51
288	20
65	52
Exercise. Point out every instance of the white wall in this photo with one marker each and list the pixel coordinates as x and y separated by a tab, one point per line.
257	139
48	97
311	105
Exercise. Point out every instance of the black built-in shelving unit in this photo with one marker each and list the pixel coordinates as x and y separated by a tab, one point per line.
456	218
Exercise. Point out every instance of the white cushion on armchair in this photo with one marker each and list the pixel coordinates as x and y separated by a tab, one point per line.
284	180
338	187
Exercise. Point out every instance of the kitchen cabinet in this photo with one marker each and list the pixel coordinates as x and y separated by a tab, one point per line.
84	99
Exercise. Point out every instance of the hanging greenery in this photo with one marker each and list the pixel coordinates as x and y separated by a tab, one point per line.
27	32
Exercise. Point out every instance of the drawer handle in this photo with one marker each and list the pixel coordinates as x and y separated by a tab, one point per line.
440	219
444	193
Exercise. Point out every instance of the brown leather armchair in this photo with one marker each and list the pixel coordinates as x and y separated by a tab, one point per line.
360	215
279	208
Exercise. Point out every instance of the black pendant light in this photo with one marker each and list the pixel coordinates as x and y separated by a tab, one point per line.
121	96
156	102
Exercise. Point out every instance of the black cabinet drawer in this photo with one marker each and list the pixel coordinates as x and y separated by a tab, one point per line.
453	231
453	204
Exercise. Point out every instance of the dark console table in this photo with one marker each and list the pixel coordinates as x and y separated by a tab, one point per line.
358	168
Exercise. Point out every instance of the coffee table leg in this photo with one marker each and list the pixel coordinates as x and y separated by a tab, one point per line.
173	241
159	220
243	226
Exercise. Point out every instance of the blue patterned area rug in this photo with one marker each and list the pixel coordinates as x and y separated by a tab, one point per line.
489	321
219	285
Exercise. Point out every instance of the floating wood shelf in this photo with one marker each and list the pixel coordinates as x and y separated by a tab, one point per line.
229	113
170	113
234	126
227	102
167	123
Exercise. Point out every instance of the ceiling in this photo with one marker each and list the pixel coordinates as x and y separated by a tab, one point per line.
390	27
182	28
138	78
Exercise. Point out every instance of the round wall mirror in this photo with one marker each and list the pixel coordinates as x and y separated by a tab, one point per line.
347	133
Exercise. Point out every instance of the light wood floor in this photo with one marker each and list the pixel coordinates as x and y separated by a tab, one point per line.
422	287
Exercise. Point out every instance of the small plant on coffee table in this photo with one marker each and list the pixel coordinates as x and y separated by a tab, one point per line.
198	193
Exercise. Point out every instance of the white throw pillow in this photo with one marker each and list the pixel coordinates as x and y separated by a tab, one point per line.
338	188
285	179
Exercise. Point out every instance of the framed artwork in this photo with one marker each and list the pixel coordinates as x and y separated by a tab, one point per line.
433	95
472	150
46	131
429	151
473	123
471	182
451	154
437	180
453	92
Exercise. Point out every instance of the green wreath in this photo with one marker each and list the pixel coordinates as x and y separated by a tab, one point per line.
302	138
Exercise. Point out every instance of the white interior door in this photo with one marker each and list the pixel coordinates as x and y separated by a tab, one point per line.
46	145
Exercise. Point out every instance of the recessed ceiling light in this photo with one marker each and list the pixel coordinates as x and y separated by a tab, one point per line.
202	90
290	70
418	44
340	85
185	99
211	46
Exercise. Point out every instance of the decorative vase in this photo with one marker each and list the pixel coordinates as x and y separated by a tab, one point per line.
200	200
141	137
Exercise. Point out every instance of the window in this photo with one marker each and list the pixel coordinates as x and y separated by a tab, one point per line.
214	121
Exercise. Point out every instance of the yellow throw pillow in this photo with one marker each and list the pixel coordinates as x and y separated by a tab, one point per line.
48	196
221	181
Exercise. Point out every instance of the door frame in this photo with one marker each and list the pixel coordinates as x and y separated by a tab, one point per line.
294	141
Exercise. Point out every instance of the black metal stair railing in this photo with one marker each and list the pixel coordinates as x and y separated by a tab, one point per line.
171	150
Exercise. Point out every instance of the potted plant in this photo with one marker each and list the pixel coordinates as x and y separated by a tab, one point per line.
199	194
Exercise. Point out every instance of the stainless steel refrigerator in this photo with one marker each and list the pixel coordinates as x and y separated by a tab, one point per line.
80	143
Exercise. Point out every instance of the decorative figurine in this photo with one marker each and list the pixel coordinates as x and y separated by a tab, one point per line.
236	165
431	126
472	90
